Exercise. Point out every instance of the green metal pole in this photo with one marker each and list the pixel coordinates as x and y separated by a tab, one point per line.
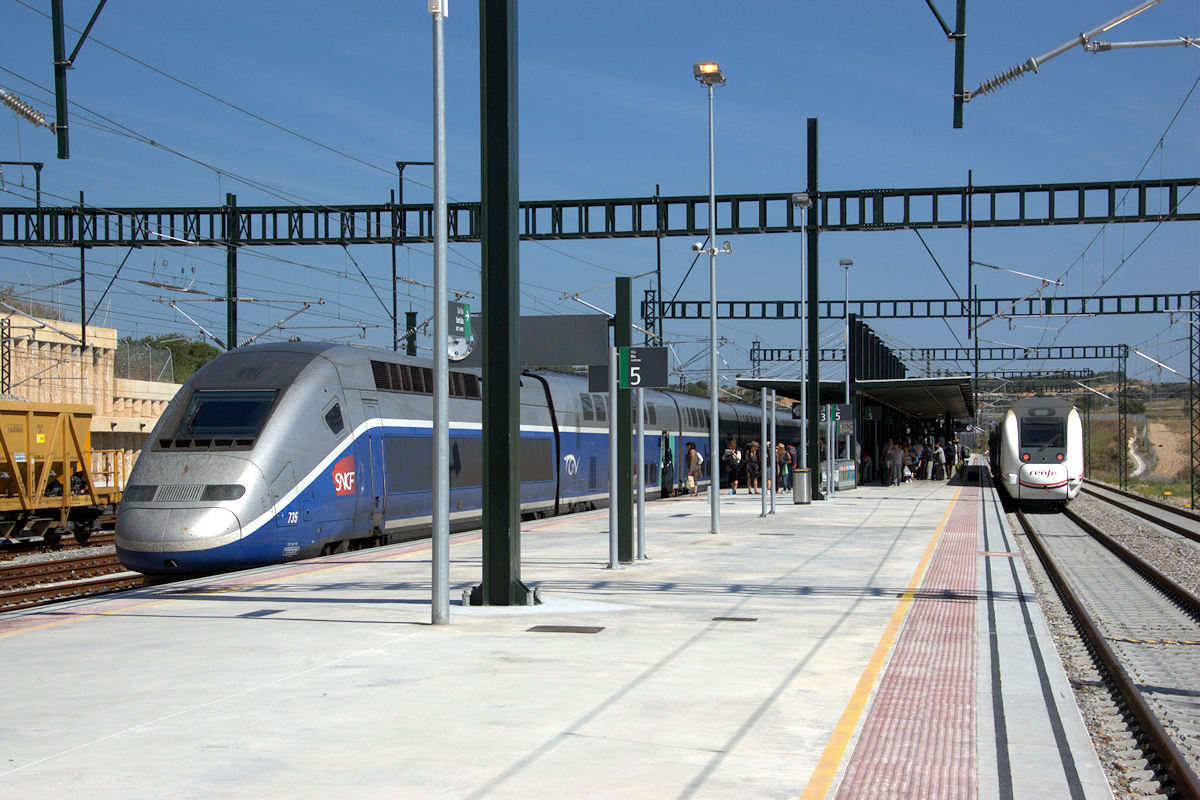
231	239
960	55
501	307
814	312
395	313
623	337
60	78
82	277
410	333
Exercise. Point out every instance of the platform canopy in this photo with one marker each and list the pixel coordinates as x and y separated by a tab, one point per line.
917	398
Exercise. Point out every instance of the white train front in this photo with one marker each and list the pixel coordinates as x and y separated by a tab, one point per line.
275	452
1037	450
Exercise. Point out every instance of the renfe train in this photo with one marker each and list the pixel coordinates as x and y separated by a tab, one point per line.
277	452
1037	450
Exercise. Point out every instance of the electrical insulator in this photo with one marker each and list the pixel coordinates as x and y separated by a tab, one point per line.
24	109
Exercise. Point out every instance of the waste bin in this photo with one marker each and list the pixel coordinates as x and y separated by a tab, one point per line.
802	487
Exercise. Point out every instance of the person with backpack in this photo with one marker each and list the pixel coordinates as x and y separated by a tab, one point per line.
732	459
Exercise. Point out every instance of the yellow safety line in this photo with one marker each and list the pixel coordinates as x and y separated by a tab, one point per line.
827	767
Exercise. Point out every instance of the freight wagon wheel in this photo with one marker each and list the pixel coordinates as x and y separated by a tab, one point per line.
52	537
82	534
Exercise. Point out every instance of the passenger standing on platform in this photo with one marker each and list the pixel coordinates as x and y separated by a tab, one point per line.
694	461
753	468
868	468
668	468
732	459
895	461
939	462
784	458
949	456
928	462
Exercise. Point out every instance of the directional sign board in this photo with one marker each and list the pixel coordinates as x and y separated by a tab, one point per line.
642	367
842	414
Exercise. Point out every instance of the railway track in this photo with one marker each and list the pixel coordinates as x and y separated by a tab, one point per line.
1142	630
37	583
11	550
1182	521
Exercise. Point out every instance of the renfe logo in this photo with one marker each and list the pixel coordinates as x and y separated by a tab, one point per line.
343	476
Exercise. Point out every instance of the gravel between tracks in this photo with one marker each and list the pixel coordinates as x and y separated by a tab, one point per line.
58	555
1179	558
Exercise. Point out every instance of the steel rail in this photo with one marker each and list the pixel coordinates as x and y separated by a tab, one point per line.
1170	588
1141	512
47	593
1186	783
59	570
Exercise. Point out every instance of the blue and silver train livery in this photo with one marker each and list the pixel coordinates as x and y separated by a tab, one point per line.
276	452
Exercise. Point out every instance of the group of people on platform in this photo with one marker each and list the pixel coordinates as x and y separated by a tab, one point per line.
903	462
900	462
747	464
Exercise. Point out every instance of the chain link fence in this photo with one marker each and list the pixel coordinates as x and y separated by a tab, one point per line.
142	362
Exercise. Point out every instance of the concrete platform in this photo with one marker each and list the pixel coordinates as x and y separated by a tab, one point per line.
883	644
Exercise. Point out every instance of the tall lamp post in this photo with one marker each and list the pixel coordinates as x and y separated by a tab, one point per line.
847	264
801	201
709	74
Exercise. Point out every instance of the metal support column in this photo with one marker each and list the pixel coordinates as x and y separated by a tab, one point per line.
623	496
1122	420
501	282
231	239
410	333
1194	405
814	313
960	56
641	473
83	315
762	454
60	78
1087	437
395	237
6	356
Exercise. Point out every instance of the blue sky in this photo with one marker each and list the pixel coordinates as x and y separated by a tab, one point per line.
609	108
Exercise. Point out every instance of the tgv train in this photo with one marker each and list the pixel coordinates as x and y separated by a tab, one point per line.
1037	450
277	452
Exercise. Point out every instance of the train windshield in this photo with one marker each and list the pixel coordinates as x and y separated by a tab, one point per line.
226	414
1037	433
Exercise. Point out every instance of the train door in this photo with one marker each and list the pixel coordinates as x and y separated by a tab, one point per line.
372	491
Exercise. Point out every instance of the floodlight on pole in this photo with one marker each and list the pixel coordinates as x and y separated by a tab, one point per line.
710	75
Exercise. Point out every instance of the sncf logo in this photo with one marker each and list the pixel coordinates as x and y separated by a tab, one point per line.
343	476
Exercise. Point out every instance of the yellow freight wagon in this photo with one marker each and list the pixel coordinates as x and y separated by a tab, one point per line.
51	481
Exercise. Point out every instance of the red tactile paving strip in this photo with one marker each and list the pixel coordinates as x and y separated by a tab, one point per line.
918	739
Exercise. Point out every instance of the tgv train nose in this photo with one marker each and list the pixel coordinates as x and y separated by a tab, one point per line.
156	541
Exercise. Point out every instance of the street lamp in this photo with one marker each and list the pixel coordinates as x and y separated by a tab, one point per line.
847	264
800	200
709	74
